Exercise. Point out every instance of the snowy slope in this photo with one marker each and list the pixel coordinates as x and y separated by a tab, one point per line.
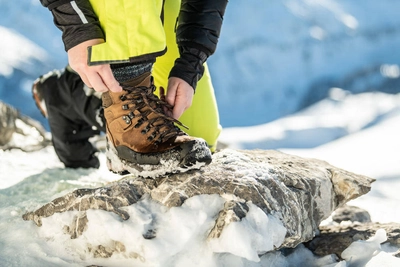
340	114
30	46
275	57
359	133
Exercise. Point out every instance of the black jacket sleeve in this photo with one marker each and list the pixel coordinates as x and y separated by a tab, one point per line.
197	34
76	19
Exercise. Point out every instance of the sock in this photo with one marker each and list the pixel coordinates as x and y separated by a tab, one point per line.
128	71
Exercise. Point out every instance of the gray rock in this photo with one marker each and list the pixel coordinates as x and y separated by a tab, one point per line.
299	192
351	213
8	115
12	122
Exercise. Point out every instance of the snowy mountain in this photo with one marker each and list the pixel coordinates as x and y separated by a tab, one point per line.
273	58
280	56
30	46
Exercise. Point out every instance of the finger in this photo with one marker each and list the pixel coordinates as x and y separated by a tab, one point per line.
168	112
171	93
178	110
85	80
167	108
97	83
162	94
109	79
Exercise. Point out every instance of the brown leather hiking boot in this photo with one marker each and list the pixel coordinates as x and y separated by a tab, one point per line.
142	139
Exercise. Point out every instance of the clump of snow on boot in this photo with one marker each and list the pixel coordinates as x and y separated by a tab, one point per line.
170	161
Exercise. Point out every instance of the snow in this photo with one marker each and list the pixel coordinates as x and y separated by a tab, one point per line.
288	54
32	179
282	55
358	133
17	56
168	162
355	253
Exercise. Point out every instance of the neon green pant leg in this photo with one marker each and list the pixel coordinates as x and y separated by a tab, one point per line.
202	117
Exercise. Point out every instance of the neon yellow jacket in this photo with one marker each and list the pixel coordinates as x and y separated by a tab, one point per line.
135	34
133	29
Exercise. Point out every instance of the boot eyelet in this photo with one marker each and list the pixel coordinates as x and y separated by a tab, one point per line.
126	119
125	107
139	123
145	130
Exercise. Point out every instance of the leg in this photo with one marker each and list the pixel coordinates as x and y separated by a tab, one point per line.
72	114
202	117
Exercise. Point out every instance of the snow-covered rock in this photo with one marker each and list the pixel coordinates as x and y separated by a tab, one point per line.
264	200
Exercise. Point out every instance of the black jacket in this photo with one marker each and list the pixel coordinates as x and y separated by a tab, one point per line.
197	34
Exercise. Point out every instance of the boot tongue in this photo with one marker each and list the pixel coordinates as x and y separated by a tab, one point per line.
109	98
141	80
106	99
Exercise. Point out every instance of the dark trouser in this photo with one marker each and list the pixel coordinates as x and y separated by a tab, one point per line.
74	115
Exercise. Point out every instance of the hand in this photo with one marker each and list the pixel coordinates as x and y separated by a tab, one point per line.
99	77
179	95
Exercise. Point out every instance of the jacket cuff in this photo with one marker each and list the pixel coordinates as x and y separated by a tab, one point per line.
189	66
76	28
73	35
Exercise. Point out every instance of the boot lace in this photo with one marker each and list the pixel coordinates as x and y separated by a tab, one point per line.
143	99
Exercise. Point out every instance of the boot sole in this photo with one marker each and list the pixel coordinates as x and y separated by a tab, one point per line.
191	155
